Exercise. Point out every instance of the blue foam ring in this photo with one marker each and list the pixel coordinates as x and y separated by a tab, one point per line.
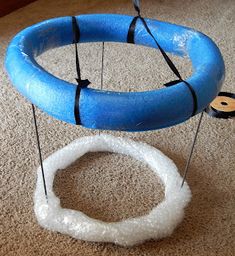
132	111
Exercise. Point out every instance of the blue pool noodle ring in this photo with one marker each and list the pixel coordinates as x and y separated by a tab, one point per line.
99	109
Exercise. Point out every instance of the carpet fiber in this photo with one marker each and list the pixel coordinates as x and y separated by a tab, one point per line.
108	186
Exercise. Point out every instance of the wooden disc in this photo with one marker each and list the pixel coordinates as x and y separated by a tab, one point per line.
223	103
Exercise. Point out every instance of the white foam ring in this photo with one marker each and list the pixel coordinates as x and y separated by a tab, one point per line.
158	223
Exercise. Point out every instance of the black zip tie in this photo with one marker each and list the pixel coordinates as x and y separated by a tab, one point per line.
39	151
130	39
81	83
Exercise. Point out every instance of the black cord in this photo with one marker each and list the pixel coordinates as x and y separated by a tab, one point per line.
81	83
192	148
102	70
136	4
39	151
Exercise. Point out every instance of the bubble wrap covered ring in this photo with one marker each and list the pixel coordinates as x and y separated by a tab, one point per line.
158	223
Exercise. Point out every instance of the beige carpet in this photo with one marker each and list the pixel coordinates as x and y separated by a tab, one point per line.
108	186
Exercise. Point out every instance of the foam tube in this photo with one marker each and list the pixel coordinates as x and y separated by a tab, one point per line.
108	110
158	223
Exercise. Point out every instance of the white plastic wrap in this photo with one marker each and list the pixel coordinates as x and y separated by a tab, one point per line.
158	223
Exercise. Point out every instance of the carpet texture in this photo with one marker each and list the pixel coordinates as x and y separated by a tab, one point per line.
108	186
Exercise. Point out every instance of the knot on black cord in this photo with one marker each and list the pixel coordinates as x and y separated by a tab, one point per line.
82	83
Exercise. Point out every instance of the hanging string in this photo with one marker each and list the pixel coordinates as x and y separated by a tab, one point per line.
39	151
192	148
102	70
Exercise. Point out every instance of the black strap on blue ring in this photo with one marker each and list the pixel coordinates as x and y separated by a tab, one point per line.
130	39
81	83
